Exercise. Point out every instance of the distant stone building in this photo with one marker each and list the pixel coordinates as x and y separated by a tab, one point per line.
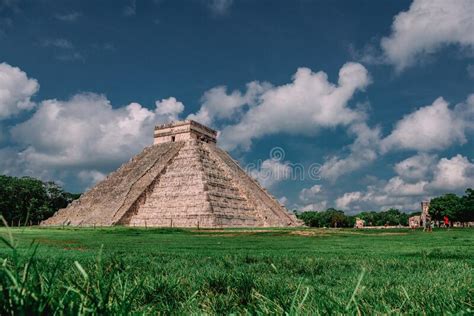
183	180
420	220
425	215
414	221
359	223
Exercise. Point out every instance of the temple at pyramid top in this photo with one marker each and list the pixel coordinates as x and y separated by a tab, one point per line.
182	180
182	131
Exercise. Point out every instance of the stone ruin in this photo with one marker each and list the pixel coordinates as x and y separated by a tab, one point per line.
359	223
183	180
425	208
419	220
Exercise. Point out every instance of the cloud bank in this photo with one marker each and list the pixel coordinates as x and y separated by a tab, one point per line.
310	102
418	177
16	90
84	135
432	127
426	27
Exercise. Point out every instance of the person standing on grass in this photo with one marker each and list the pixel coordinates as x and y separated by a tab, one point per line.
427	224
446	221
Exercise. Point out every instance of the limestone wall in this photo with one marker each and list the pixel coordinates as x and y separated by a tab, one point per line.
268	210
193	192
107	202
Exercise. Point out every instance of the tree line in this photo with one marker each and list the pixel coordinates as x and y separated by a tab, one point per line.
337	218
456	208
25	201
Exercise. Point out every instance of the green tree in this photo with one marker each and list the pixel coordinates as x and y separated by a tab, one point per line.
28	200
368	217
449	205
336	218
310	218
329	218
467	208
393	217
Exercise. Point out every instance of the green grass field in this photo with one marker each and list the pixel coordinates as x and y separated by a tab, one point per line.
302	271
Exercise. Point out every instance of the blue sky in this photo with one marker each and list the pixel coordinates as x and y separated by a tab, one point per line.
373	97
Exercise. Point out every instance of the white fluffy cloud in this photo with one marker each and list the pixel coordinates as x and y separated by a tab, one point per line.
316	206
375	199
16	90
308	194
456	173
307	104
363	151
271	172
218	105
426	27
168	109
81	137
313	198
429	128
87	132
405	191
396	187
432	127
416	168
347	199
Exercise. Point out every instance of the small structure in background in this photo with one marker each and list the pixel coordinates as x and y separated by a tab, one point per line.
359	223
423	220
414	222
425	216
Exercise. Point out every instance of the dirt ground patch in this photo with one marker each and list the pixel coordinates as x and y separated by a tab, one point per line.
387	234
211	231
308	233
362	233
217	235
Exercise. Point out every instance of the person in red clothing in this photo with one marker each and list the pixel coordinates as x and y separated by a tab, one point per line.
446	221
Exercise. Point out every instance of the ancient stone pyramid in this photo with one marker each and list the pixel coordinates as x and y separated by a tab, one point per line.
183	180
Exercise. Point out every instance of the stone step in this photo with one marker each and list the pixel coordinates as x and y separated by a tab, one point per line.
216	176
183	173
219	184
158	204
182	185
188	191
171	211
221	195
